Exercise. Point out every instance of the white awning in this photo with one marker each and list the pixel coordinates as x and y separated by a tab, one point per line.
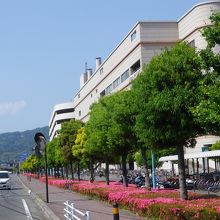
205	154
168	158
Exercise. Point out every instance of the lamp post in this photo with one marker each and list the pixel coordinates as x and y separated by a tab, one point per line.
153	168
41	146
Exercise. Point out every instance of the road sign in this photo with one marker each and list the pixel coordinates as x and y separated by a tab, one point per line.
23	156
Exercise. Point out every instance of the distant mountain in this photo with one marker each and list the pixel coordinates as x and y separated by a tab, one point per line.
14	144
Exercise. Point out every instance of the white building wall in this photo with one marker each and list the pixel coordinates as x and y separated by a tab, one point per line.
194	20
93	96
53	126
150	50
151	38
53	132
201	141
122	58
108	66
159	32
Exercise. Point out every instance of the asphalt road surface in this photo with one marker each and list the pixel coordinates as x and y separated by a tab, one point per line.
17	204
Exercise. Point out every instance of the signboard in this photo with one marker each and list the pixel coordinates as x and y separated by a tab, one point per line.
23	156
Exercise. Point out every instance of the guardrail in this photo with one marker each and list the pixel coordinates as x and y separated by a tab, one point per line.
71	212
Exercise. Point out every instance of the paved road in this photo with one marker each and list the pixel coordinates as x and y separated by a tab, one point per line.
17	204
98	210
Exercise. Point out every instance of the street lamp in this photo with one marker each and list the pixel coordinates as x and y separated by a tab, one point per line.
41	146
153	176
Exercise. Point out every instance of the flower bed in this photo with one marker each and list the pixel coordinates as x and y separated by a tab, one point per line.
157	204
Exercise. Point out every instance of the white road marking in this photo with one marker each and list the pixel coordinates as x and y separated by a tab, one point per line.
29	217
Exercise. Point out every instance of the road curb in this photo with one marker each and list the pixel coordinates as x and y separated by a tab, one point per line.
47	211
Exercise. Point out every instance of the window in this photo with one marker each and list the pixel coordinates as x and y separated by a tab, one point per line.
102	93
61	121
80	113
108	89
135	67
192	43
206	147
64	111
91	95
125	75
116	82
79	95
4	175
96	90
133	36
101	71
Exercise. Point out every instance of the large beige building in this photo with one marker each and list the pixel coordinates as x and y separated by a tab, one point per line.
145	40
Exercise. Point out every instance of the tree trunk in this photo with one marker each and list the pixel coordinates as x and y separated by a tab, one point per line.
124	170
66	168
107	172
182	175
145	167
59	174
91	171
78	171
71	168
62	173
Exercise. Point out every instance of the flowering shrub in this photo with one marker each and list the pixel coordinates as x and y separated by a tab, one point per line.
159	204
32	175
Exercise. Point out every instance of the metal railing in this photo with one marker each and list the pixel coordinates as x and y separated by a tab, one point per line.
71	212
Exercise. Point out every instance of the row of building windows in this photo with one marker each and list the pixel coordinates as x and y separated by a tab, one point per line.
134	68
59	122
61	111
133	37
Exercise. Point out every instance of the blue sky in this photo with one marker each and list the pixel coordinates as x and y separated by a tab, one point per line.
44	45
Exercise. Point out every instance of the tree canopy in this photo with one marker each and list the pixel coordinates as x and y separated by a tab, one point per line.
164	93
207	112
67	137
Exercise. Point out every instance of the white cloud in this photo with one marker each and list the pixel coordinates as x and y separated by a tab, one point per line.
11	108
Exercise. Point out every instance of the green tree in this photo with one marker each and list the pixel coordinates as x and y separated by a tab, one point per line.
54	157
216	146
78	149
30	164
59	156
211	59
165	91
97	129
51	152
121	135
67	137
207	111
158	153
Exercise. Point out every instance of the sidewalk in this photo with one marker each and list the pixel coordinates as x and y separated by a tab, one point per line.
54	209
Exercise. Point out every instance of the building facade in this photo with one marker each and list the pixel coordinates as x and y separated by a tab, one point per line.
61	113
145	40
